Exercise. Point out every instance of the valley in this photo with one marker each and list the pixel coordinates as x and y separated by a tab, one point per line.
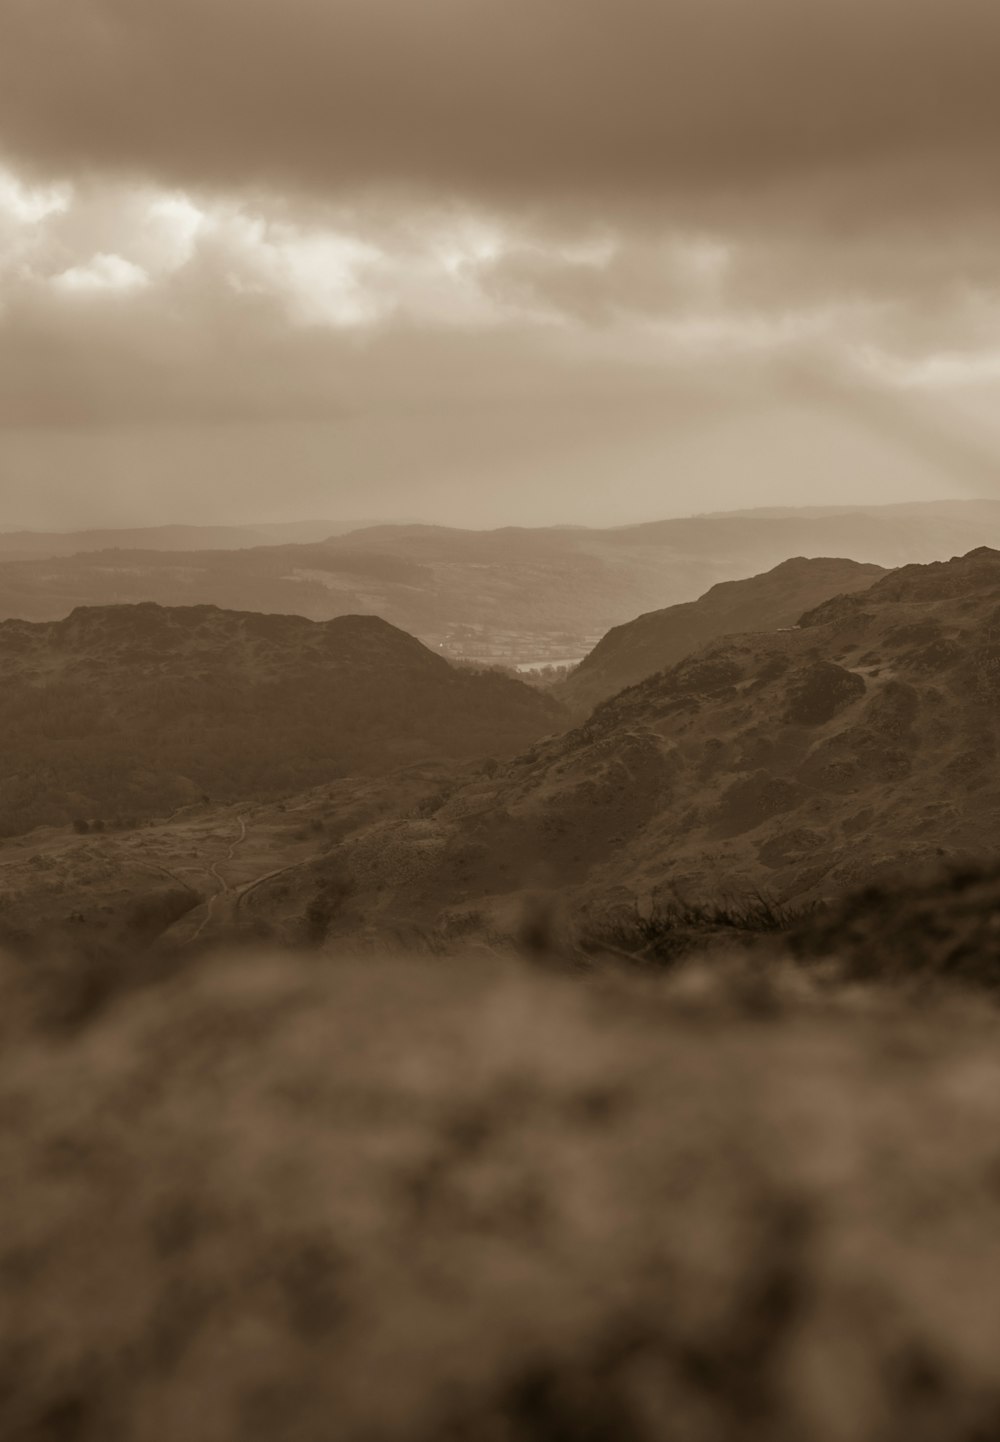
798	764
508	597
302	905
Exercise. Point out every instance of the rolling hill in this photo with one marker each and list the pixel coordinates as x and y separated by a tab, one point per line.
130	711
43	545
510	595
659	639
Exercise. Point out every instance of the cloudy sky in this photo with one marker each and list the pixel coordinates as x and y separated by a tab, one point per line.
495	261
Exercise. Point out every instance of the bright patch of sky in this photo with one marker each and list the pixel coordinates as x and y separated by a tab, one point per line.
29	204
438	270
102	272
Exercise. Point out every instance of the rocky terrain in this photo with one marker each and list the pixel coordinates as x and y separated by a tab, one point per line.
799	764
122	713
658	639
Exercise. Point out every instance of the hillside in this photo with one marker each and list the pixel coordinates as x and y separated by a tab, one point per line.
512	595
124	712
799	763
659	639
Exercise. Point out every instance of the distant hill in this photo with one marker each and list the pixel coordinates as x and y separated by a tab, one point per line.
659	639
798	763
130	711
507	595
951	512
43	545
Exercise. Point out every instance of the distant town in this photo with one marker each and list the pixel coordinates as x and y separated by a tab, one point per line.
517	650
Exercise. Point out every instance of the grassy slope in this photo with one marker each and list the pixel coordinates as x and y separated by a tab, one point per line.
57	886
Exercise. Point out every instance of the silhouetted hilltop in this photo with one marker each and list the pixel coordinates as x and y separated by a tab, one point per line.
147	637
128	711
659	639
798	763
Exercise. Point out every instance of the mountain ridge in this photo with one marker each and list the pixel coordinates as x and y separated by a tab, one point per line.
132	711
658	639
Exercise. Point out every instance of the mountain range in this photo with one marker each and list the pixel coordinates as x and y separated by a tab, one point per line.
796	764
105	881
510	596
44	545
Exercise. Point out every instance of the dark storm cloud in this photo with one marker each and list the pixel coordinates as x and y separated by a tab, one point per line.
511	101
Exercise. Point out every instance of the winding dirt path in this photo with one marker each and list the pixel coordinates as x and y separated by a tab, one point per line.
224	887
250	886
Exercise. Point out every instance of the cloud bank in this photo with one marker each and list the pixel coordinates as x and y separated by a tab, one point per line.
245	213
507	100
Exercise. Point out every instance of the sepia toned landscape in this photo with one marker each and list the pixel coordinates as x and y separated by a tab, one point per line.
499	721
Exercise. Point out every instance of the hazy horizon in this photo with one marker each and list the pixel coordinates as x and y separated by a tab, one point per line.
234	521
95	481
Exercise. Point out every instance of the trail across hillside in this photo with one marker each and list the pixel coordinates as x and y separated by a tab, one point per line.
224	887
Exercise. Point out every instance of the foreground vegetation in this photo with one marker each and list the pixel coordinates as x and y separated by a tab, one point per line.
739	1196
671	931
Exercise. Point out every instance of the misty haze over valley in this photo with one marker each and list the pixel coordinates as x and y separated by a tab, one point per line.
499	721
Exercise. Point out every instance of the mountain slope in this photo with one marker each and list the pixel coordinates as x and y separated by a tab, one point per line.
510	595
797	763
659	639
131	711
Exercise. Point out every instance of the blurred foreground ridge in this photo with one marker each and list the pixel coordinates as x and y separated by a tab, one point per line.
285	1197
